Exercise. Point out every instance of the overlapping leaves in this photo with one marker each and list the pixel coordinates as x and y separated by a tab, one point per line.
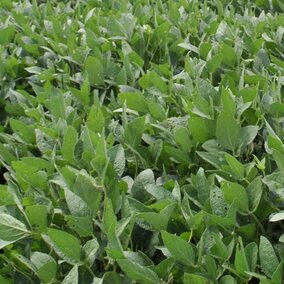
141	141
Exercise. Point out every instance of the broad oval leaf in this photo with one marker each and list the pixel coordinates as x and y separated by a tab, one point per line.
11	230
65	245
95	70
134	130
254	193
179	248
276	217
196	279
76	204
72	277
228	131
90	248
138	272
138	188
46	266
268	258
135	101
233	191
117	158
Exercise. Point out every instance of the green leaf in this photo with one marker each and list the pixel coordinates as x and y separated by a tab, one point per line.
279	159
65	245
228	131
227	279
217	201
57	106
274	142
228	101
90	248
276	217
4	280
135	101
138	188
241	262
85	187
123	119
189	46
233	191
38	164
5	155
46	266
247	134
216	159
23	261
214	63
158	221
203	186
248	94
157	111
163	269
96	119
277	109
236	167
37	215
101	147
69	143
76	205
156	148
196	279
179	248
138	272
26	132
160	33
11	230
200	105
261	59
95	70
251	251
85	92
229	55
110	228
29	175
177	155
83	226
219	249
109	216
181	136
134	130
116	29
254	193
7	35
112	277
121	78
201	128
158	192
138	257
72	277
158	82
268	258
204	49
277	276
117	159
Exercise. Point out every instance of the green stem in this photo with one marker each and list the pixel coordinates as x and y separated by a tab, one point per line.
263	232
90	271
6	259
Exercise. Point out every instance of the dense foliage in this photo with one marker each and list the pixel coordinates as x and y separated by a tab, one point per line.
141	141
